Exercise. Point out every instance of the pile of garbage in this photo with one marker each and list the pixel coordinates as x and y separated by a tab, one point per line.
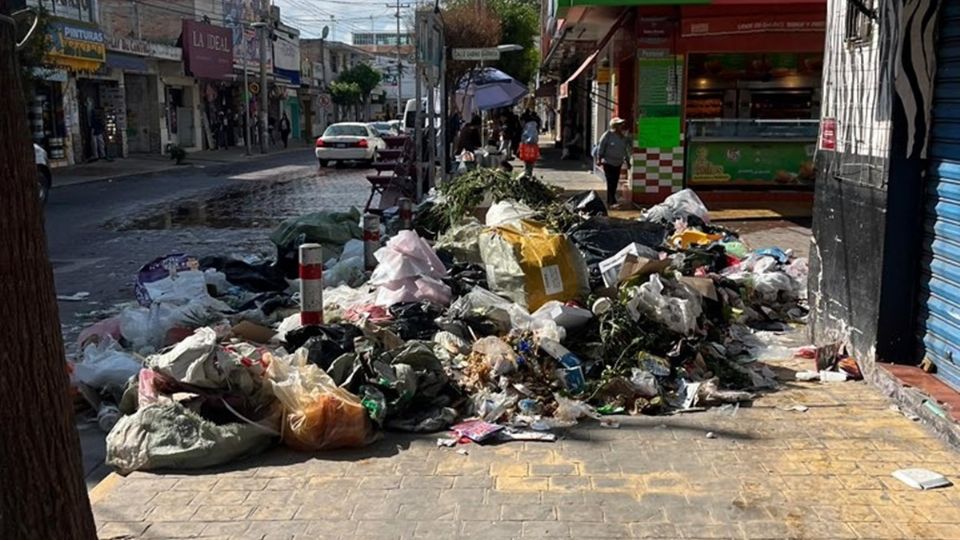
541	314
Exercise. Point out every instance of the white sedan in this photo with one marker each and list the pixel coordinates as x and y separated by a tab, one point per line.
348	141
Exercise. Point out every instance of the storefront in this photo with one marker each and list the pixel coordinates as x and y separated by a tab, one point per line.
722	96
64	104
140	62
208	56
728	101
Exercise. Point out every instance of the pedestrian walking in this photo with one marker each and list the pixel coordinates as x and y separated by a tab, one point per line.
284	129
271	131
529	151
613	152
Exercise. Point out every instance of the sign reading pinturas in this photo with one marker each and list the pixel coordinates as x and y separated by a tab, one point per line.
207	50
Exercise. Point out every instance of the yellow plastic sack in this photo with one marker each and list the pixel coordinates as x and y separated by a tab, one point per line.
532	265
318	415
693	237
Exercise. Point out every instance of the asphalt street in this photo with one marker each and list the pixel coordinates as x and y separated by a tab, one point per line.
99	234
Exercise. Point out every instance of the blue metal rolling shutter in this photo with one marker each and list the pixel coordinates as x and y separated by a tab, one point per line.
941	293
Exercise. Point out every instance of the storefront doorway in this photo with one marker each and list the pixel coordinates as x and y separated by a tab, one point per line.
143	129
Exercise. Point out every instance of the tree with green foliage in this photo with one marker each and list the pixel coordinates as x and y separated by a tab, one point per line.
492	23
366	80
519	25
344	94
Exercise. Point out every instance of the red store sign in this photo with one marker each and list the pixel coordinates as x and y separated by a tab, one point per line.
828	134
207	50
719	26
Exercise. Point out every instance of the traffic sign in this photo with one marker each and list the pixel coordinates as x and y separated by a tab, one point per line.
476	55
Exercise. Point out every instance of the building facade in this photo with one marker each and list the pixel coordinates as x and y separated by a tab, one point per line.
162	74
884	262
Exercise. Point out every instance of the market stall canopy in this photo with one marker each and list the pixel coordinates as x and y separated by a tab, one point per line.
489	88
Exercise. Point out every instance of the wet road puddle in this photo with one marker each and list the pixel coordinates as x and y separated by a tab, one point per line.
252	205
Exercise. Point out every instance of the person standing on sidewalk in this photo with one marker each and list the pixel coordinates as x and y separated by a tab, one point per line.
613	152
98	129
284	129
529	151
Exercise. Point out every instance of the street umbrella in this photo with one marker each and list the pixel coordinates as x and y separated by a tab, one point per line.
489	88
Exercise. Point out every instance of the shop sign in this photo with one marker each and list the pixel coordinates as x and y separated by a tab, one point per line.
127	63
76	47
139	47
721	26
207	50
828	134
286	58
750	162
603	75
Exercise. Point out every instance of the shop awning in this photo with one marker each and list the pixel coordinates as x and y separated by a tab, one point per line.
601	45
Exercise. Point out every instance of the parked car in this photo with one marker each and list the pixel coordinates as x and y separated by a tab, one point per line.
348	141
44	178
397	125
384	129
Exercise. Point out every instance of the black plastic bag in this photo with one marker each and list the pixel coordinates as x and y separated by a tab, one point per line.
325	343
259	278
601	237
415	320
587	202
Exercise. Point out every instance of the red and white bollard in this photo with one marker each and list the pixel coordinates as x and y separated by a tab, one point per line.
406	213
311	284
371	240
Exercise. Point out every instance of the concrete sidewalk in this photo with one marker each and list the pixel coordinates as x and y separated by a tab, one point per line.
149	164
767	471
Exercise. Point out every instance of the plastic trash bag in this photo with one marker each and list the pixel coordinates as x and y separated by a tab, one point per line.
329	229
409	270
318	415
168	435
533	265
147	328
645	383
255	277
171	278
349	269
462	241
587	202
569	317
676	313
602	237
570	410
680	205
104	365
499	356
508	214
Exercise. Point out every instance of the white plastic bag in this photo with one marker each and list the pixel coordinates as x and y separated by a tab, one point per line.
677	313
508	214
679	205
104	365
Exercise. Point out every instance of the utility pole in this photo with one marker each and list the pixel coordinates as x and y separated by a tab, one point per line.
262	33
399	6
245	94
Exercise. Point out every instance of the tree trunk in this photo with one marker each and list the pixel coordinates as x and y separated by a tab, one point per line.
43	494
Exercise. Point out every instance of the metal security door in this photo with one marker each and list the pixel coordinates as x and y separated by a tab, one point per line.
940	311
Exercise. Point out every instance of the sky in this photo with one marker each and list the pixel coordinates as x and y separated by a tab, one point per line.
310	16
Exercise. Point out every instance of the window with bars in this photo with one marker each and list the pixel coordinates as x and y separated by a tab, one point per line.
859	21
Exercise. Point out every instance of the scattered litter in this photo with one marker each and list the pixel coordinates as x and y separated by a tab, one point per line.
463	452
476	430
75	297
921	478
609	423
711	435
795	408
445	442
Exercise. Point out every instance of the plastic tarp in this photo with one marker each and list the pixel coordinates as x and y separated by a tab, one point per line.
531	266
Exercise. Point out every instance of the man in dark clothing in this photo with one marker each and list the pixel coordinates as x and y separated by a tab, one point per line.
97	130
284	129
